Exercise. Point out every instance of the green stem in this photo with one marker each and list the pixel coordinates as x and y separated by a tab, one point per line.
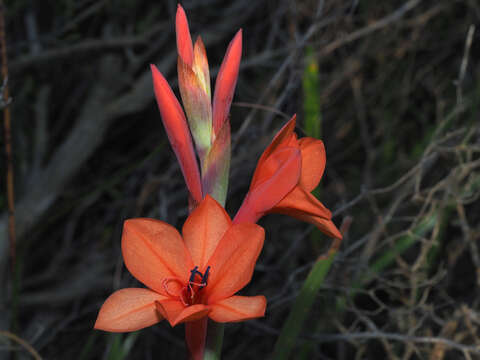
213	346
218	190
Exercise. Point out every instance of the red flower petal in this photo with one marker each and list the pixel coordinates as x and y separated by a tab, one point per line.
276	166
238	308
175	312
203	230
129	310
233	262
276	177
154	250
299	202
170	308
313	162
324	225
284	137
192	313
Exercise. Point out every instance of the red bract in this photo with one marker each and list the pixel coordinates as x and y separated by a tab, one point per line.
189	278
226	81
184	41
288	170
178	134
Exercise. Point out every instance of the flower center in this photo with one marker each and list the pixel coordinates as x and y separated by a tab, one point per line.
203	277
190	293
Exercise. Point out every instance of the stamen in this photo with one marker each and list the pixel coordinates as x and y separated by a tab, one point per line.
191	291
185	296
203	277
193	273
165	286
187	293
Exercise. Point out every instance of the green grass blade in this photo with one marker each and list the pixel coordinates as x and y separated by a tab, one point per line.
121	346
388	257
403	244
301	308
88	347
311	94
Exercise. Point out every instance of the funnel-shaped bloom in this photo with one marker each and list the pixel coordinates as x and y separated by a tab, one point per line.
188	278
288	170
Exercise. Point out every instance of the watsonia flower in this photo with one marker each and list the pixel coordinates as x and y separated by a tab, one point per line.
288	170
188	279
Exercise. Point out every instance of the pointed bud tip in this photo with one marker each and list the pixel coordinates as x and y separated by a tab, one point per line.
292	121
156	74
184	41
198	40
238	37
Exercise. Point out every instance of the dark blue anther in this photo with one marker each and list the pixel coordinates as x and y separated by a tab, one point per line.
193	273
203	277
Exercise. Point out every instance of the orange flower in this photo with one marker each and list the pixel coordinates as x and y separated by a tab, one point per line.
188	279
288	170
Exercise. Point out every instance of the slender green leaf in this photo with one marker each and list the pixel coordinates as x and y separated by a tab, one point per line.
311	94
121	346
87	348
401	245
301	308
389	256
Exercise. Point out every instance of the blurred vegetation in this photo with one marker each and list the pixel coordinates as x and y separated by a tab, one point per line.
392	88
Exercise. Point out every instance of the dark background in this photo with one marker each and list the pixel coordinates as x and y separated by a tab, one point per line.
399	95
